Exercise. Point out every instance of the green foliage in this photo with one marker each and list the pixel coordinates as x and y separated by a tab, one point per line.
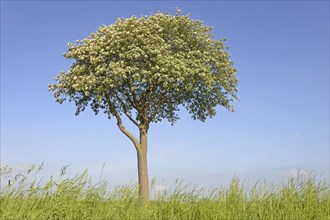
147	67
22	196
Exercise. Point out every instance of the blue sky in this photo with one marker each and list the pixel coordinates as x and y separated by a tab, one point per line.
281	124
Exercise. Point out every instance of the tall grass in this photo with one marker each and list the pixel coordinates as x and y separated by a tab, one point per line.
23	196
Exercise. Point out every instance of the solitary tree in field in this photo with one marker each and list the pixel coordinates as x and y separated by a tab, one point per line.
145	69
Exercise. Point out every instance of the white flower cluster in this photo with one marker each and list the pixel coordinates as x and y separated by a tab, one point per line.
158	58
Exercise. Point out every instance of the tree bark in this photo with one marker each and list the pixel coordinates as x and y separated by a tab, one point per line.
143	166
141	148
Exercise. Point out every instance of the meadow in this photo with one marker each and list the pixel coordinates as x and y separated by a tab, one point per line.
25	196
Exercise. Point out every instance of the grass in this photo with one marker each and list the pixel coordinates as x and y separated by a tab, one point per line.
22	196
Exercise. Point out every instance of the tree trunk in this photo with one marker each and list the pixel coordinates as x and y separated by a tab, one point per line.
143	166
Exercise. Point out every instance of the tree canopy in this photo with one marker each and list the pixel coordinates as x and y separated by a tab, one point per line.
147	67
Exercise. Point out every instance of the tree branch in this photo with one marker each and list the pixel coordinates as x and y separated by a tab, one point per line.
153	94
129	99
126	112
135	101
113	110
154	112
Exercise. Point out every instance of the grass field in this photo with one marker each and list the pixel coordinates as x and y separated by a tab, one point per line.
23	196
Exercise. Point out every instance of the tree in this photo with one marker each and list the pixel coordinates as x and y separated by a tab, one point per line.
145	69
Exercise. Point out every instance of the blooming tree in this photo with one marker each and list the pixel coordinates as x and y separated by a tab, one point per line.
145	69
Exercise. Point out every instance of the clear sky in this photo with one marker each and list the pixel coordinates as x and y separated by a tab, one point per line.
281	124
